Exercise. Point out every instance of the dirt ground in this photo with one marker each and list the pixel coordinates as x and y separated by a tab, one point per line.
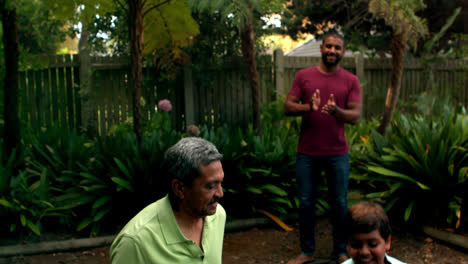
273	245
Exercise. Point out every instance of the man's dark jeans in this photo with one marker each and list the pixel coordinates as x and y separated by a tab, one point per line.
308	171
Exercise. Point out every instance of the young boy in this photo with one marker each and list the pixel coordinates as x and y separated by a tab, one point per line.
368	235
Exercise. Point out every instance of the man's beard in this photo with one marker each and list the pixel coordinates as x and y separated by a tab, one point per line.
330	63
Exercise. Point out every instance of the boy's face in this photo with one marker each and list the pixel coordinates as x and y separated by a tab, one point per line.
368	248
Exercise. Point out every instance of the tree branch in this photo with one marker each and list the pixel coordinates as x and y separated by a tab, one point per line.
120	4
155	6
357	17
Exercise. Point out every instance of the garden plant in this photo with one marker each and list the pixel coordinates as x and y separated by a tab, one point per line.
63	179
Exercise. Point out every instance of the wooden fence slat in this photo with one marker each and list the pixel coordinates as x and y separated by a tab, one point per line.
76	90
69	92
116	97
23	104
124	98
223	89
62	93
39	96
102	109
47	96
54	91
32	98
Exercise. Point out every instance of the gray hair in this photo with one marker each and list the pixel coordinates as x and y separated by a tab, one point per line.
183	161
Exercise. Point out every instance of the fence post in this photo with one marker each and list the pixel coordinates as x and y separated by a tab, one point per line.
89	113
359	62
188	96
279	73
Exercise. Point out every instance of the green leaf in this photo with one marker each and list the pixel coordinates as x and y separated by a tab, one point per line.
390	204
6	203
85	199
408	211
323	204
123	183
83	224
94	187
254	190
47	203
44	186
274	189
374	195
23	219
35	185
12	227
100	214
264	171
67	196
33	228
123	168
389	158
281	200
91	177
390	173
450	171
463	174
101	201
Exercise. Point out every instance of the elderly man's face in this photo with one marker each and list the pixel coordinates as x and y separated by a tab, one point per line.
202	198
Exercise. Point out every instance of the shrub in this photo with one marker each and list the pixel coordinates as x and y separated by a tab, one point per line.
419	169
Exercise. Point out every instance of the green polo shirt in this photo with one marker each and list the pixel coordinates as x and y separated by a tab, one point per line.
153	236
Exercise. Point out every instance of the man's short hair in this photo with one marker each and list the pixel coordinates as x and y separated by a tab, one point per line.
333	34
365	217
183	161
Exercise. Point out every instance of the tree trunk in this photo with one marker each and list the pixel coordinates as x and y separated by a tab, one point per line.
11	137
398	54
89	112
248	51
135	26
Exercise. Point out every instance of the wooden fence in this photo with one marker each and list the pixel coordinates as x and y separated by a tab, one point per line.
52	95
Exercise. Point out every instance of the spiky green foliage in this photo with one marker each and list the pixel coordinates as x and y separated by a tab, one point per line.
80	10
419	169
401	16
238	11
169	25
166	23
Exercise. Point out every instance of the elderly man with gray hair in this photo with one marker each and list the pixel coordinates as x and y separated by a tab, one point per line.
187	225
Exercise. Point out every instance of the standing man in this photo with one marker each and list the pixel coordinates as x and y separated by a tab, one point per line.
326	96
187	225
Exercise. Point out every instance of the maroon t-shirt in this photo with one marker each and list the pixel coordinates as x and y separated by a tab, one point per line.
323	134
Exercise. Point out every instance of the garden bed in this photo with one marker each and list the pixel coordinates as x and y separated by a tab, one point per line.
271	244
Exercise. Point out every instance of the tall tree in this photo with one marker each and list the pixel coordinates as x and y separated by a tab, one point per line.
165	23
360	27
34	18
11	137
407	29
243	14
351	16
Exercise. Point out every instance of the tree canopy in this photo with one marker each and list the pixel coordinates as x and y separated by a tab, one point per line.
361	28
153	25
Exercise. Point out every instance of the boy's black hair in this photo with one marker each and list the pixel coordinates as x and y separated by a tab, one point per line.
365	217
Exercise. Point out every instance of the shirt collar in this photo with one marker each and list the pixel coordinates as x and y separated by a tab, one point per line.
168	223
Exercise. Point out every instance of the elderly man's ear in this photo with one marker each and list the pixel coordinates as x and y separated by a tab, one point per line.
178	188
